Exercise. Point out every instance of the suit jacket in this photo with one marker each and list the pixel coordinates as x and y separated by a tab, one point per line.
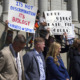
31	65
8	67
55	72
76	67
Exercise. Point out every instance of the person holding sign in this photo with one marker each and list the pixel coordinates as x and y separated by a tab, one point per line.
7	36
37	24
37	19
43	29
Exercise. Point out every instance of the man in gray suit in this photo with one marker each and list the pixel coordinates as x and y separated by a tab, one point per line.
11	62
34	63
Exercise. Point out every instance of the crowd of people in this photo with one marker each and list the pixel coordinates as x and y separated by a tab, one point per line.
44	61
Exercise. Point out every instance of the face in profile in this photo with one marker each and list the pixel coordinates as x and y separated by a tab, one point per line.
59	49
19	46
41	46
56	48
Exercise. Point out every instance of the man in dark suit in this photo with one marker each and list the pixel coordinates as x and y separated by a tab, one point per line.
34	63
11	62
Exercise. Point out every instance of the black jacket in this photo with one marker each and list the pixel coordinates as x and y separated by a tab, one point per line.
74	64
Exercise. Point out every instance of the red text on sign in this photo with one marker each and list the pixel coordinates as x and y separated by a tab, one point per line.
21	15
17	20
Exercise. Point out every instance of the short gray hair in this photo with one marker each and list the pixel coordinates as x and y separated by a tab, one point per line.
38	39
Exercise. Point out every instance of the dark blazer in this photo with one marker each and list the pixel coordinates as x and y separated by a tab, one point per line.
76	67
31	65
74	64
55	72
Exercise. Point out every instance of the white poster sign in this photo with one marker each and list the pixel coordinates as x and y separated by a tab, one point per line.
73	33
59	22
21	16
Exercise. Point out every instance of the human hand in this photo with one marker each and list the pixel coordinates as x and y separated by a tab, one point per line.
75	31
65	34
34	28
67	79
6	25
45	24
6	21
48	29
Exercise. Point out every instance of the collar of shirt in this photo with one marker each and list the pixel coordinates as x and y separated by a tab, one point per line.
37	53
17	58
40	63
13	51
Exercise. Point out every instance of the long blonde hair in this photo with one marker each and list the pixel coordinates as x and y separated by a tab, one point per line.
54	51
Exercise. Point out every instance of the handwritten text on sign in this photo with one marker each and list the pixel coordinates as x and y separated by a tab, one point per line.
59	21
21	16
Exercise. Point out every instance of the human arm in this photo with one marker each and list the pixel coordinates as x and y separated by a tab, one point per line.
64	69
66	49
66	74
43	22
4	34
2	63
54	69
65	36
76	64
6	26
26	61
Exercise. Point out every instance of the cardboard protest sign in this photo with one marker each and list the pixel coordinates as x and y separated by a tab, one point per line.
21	16
59	22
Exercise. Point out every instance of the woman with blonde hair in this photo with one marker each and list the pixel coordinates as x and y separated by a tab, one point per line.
55	66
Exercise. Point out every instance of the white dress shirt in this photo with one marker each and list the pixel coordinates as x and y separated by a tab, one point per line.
41	68
18	63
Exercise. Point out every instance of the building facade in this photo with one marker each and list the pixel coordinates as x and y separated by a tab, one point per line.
45	5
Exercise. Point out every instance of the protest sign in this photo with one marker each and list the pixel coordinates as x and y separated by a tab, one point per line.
59	22
21	16
70	36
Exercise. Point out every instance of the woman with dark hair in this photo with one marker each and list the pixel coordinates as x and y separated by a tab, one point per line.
55	66
74	60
